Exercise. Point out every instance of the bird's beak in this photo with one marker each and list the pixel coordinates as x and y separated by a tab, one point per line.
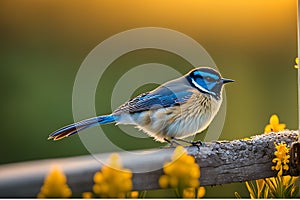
224	80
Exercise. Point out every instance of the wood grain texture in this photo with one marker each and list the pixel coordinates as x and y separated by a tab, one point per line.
220	162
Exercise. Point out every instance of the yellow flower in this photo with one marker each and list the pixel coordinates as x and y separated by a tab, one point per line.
182	172
281	150
55	185
163	181
201	192
87	195
274	125
296	60
282	158
113	180
134	194
189	193
193	193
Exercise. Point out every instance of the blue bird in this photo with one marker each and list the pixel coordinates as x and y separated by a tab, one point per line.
177	109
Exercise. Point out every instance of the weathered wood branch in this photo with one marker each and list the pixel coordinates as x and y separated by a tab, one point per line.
220	162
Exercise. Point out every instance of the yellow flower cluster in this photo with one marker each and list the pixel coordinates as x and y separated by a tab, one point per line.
55	185
296	66
194	193
274	125
182	172
87	195
282	158
113	180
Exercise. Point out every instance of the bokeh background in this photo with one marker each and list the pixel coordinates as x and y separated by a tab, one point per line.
43	44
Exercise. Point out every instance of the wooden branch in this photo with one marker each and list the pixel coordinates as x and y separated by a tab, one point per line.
220	162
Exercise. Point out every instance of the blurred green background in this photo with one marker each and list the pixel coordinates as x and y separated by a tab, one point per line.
43	44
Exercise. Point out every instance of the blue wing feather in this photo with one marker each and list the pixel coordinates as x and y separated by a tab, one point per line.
162	97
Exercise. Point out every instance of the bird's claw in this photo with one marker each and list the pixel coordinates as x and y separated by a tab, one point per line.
196	143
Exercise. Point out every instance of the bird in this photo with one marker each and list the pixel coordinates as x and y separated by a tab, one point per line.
173	111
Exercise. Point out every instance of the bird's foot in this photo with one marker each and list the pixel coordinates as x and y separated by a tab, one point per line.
175	142
196	143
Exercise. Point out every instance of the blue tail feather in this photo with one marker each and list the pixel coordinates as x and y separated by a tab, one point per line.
79	126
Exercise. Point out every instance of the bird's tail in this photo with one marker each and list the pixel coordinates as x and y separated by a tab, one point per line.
79	126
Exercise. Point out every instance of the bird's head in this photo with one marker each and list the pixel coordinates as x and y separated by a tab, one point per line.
207	80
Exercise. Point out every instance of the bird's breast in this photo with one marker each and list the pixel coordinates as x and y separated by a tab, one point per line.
194	116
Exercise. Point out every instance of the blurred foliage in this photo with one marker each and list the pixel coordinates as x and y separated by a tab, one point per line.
43	44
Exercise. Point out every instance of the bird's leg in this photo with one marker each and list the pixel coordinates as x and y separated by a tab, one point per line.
172	142
193	143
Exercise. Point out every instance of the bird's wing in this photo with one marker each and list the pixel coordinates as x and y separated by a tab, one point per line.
158	98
